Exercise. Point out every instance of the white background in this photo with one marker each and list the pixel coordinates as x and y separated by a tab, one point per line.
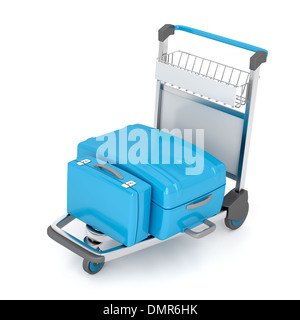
70	70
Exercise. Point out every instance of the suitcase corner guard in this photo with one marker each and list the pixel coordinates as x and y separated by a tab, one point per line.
56	233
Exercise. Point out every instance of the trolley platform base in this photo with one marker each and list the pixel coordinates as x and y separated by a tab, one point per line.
235	205
89	248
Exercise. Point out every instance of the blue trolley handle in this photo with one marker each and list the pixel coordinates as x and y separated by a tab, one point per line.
256	60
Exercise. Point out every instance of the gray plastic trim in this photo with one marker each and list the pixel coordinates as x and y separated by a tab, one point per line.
257	59
198	235
109	169
200	203
165	31
236	204
56	233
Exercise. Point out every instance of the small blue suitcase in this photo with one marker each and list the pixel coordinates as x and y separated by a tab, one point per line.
109	199
179	201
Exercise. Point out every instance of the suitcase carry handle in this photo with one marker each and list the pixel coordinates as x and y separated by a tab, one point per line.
200	203
110	170
211	228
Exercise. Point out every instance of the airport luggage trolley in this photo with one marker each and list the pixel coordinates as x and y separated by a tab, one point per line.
198	93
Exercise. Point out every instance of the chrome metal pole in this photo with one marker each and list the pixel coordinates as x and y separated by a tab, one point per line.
163	49
247	128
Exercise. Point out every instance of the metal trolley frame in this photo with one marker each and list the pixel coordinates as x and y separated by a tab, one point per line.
199	93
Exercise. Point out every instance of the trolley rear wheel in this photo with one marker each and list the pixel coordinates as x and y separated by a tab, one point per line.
233	225
237	206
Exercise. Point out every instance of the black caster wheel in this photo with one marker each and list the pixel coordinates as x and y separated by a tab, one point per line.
237	206
88	266
91	267
233	225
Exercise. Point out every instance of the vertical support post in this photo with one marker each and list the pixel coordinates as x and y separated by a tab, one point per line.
157	105
163	49
247	128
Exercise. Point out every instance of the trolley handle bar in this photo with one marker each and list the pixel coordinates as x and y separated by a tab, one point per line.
256	60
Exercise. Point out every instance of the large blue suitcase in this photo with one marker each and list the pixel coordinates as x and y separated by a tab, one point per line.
179	201
109	199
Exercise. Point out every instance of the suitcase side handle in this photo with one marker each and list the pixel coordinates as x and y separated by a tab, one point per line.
200	203
110	170
198	235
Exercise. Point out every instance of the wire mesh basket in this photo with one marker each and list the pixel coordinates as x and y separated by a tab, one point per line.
212	70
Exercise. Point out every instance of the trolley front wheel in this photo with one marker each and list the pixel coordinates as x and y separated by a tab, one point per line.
91	267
